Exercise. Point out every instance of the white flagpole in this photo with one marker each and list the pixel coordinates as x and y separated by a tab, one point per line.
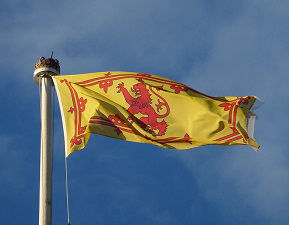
43	70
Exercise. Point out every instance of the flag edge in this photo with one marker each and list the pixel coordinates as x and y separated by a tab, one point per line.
62	115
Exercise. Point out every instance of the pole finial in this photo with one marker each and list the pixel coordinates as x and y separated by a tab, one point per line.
46	67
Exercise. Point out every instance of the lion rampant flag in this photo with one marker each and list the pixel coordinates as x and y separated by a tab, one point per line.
150	109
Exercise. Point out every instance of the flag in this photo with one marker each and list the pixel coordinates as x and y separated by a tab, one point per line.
150	109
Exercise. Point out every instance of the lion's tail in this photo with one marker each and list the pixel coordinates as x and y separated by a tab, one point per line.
163	103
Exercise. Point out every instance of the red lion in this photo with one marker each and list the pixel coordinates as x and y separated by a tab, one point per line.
142	104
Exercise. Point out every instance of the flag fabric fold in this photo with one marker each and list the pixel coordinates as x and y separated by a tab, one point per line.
151	109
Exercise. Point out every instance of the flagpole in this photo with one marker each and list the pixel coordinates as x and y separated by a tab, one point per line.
43	70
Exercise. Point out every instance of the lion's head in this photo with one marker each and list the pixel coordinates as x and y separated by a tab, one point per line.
141	90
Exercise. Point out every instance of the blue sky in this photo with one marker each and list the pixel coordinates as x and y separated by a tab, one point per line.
222	47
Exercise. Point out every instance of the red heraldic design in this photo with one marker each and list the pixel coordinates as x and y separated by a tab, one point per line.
232	107
178	88
77	109
143	104
107	80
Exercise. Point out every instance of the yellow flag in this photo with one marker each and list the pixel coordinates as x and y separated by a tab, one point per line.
150	109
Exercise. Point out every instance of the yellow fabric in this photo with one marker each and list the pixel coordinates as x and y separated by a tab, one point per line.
150	109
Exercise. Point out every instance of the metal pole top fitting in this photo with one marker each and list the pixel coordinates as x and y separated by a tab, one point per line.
45	68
